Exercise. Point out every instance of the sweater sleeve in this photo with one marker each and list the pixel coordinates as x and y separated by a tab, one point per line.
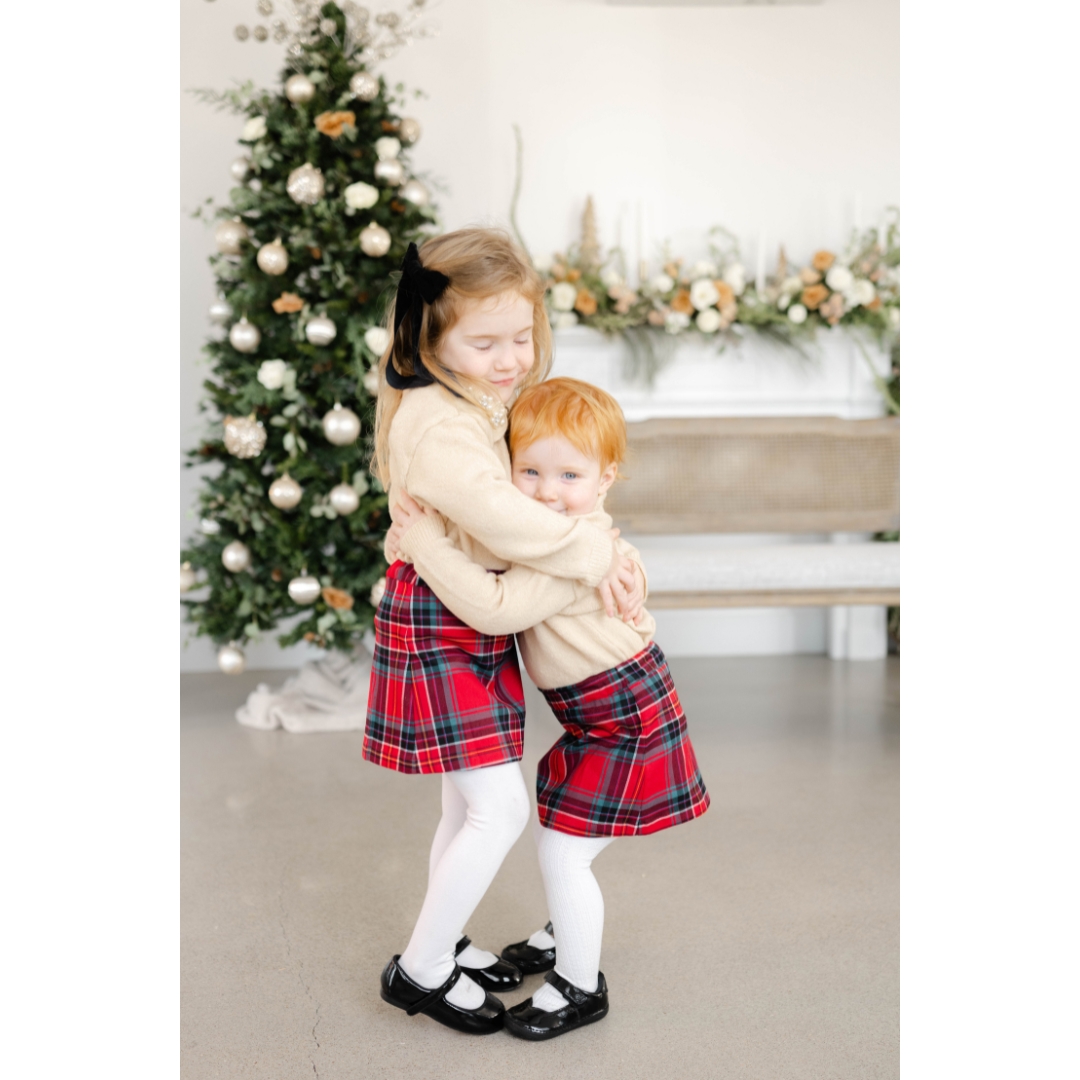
491	603
455	471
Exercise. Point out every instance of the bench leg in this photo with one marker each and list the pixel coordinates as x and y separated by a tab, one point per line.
858	632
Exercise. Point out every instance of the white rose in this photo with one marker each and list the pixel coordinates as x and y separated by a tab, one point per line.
543	263
703	294
894	318
564	320
704	268
371	381
676	321
360	196
861	292
839	278
254	129
735	276
708	321
564	296
797	314
791	285
272	374
377	339
387	148
611	277
662	283
783	302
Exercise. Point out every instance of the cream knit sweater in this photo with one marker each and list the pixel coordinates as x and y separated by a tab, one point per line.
563	631
445	452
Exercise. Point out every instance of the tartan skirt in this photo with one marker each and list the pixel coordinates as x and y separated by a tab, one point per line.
625	765
443	697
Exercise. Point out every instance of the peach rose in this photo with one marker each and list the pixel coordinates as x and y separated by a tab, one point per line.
728	312
573	275
585	302
624	298
338	599
681	302
727	293
334	123
287	302
808	276
656	318
833	308
822	260
814	296
875	304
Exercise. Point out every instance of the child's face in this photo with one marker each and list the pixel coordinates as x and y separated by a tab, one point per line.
493	340
559	475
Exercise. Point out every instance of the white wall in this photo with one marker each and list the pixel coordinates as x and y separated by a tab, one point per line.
771	119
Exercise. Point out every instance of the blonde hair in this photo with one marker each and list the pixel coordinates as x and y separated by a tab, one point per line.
480	263
586	416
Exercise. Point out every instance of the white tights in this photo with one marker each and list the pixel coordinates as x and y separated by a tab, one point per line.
576	907
484	812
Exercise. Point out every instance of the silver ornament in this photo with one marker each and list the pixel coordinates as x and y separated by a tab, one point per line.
305	589
374	240
273	259
244	337
306	185
364	86
320	330
220	312
260	33
245	437
241	32
328	27
281	31
295	50
239	168
344	499
416	193
377	591
231	659
187	577
209	527
229	235
299	89
236	557
265	7
285	492
409	130
341	426
390	171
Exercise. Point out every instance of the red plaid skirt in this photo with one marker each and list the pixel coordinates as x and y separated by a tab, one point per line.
443	696
625	766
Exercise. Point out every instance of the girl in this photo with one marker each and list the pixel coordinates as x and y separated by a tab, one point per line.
469	330
625	765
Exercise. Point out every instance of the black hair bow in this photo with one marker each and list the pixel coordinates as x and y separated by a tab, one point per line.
417	287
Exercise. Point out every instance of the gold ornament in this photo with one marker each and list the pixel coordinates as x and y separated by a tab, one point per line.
187	577
409	130
229	235
374	240
236	557
341	426
320	330
299	89
245	436
416	193
244	337
231	659
306	185
272	258
334	123
390	171
287	303
285	492
304	589
364	86
344	499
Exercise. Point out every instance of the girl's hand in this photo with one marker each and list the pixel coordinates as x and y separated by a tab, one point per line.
635	594
405	513
613	588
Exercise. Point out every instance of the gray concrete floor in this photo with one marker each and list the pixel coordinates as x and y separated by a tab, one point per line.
759	942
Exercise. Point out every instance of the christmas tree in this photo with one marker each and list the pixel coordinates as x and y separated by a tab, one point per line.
292	521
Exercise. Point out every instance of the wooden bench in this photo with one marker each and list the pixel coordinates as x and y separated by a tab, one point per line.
693	485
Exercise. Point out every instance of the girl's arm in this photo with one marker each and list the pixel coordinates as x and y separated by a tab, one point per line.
491	603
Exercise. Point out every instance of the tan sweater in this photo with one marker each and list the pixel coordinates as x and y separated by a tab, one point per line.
447	455
563	631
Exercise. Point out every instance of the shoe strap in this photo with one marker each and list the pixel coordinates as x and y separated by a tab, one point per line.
572	993
462	945
436	995
549	928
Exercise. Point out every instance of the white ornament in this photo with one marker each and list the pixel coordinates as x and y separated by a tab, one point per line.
240	167
374	240
709	320
387	148
360	196
371	381
662	283
229	235
209	527
409	130
377	339
377	591
735	276
254	129
285	492
299	89
306	185
344	499
220	312
703	294
341	426
839	278
364	86
271	374
320	330
244	337
415	192
236	557
187	577
304	589
231	659
797	314
390	172
563	296
245	437
272	258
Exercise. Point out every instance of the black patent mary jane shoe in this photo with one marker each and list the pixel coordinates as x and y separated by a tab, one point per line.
526	1021
502	975
528	959
399	990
